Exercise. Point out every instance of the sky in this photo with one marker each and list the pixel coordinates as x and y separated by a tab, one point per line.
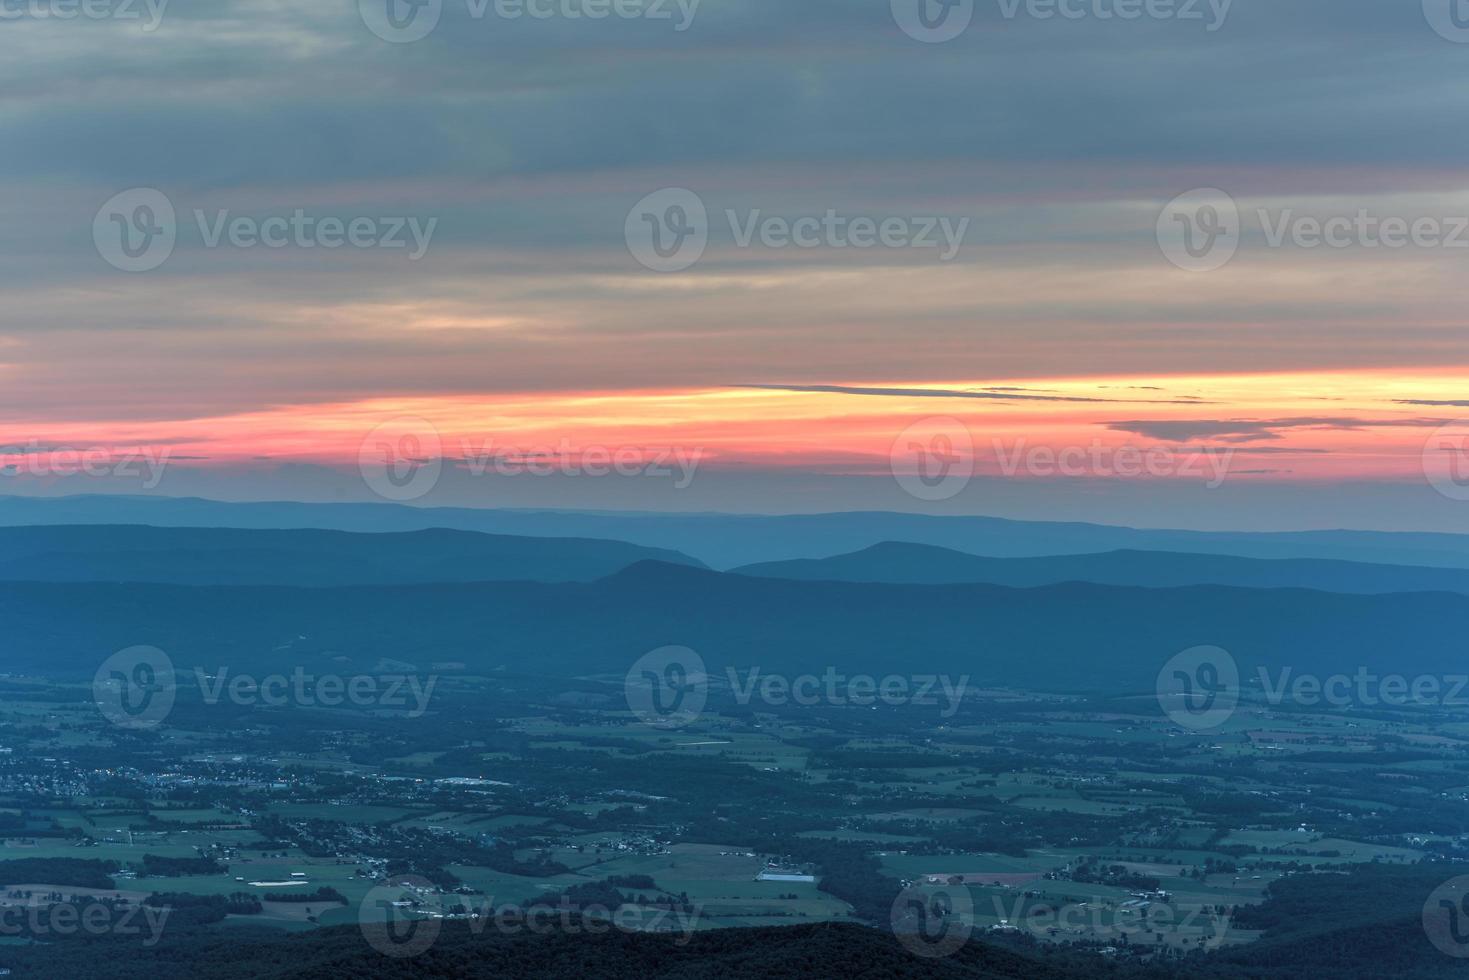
1194	263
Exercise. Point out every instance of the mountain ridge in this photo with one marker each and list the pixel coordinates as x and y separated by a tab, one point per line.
305	557
897	562
732	540
1071	637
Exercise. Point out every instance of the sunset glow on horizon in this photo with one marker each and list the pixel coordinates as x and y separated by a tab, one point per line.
1362	425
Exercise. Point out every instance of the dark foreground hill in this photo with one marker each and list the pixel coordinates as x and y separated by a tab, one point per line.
1067	637
796	953
916	564
304	557
1360	925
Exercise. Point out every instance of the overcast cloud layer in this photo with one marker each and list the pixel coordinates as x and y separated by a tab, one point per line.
522	143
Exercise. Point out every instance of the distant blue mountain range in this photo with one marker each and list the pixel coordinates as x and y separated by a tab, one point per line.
1062	637
919	564
305	557
727	541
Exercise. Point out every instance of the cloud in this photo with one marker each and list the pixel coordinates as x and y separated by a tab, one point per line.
1255	451
994	394
1247	430
531	139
